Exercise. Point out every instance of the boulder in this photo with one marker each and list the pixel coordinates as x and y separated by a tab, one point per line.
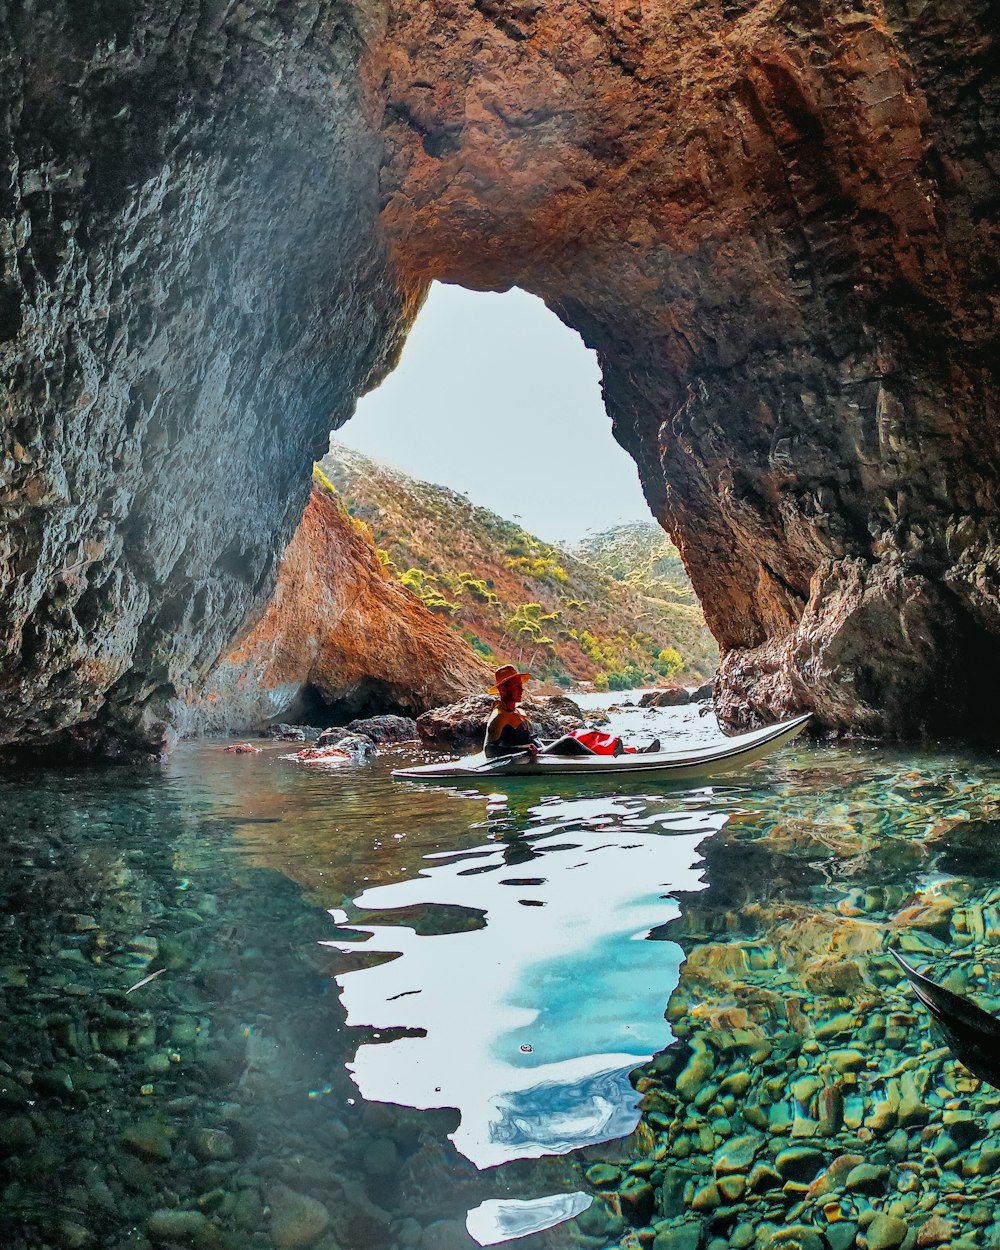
287	733
461	726
672	696
384	728
340	745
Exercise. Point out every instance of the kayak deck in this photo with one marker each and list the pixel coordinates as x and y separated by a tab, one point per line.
681	764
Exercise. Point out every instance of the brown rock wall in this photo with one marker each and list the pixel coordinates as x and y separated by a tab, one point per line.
337	631
775	223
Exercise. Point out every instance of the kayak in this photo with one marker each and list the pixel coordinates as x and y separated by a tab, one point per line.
683	764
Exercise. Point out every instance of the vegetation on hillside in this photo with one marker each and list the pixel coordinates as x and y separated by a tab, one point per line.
564	616
642	556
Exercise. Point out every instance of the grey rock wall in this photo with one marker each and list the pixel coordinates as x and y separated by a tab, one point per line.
191	293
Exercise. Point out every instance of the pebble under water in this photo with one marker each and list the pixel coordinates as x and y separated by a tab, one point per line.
247	1003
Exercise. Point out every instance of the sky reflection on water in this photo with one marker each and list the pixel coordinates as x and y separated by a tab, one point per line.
530	1024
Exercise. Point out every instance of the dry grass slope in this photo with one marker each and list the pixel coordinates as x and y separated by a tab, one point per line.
617	610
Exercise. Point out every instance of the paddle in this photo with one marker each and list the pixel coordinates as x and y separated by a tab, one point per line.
499	761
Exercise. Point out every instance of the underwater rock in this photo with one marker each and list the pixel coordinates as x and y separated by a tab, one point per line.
604	1175
935	1231
683	1236
799	1163
170	1227
885	1232
296	1219
209	1145
447	1235
152	1139
738	1154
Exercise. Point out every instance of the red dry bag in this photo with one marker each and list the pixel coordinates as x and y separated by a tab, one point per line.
601	744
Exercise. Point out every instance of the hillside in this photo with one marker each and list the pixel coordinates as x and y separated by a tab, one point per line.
639	555
566	616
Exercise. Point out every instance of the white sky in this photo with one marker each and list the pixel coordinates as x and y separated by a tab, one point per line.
496	398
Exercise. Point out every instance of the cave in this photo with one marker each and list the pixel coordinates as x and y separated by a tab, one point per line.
313	707
776	227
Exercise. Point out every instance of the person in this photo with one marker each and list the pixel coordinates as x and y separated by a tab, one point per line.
509	730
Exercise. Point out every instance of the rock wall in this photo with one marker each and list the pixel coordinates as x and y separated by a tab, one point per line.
192	290
337	632
774	221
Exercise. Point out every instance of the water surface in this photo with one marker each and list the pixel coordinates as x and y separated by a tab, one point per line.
392	1015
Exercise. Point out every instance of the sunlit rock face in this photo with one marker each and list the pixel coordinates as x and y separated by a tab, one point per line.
775	226
338	637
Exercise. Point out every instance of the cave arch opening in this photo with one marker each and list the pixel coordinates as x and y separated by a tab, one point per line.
495	397
498	406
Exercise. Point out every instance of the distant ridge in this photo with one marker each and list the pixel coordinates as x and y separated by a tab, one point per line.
641	555
616	610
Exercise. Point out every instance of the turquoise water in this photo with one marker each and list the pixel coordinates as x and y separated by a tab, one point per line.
389	1015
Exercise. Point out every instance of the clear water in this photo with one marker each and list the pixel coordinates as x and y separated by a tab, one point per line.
402	1016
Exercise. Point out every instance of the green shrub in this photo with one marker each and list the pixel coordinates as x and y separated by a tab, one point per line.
669	661
477	644
527	622
626	678
538	568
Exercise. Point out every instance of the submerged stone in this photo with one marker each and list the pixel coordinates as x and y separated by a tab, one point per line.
685	1236
799	1163
638	1200
603	1175
867	1178
886	1232
696	1072
209	1144
794	1237
180	1227
151	1139
842	1236
738	1154
296	1219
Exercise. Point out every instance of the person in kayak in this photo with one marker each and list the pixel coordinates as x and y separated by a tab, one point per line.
508	729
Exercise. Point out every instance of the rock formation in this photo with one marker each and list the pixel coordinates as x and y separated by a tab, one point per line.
338	638
192	290
774	221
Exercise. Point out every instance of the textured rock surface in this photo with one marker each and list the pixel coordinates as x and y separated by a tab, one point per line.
191	289
337	638
775	222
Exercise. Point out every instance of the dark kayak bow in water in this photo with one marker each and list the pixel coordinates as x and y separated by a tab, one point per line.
973	1034
682	764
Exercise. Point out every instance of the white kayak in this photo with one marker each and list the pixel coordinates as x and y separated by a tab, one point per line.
683	764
